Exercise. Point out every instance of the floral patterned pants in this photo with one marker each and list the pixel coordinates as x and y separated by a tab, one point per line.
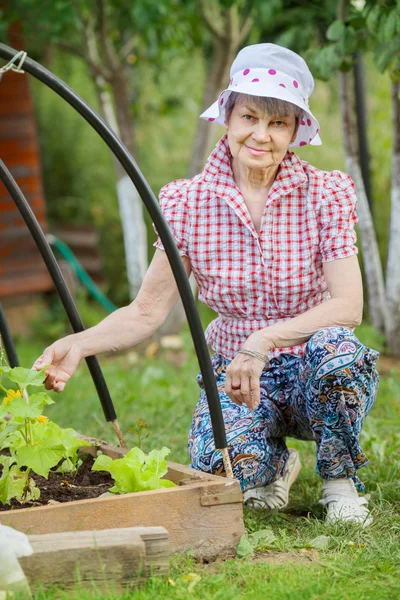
323	396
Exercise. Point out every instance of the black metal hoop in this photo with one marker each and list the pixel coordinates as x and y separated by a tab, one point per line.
6	336
147	196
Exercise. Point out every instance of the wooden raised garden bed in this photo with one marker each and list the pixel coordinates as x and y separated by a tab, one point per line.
204	514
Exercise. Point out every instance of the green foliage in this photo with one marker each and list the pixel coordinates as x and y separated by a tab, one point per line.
291	568
382	22
257	541
335	31
34	444
136	471
52	322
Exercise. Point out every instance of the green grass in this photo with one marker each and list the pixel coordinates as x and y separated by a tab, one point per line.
357	564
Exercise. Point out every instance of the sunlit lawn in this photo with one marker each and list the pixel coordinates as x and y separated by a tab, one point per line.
356	564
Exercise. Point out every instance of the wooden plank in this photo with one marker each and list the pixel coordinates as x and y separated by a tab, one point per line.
191	526
207	531
155	540
111	559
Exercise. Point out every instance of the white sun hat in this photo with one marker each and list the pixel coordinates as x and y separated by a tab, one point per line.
272	71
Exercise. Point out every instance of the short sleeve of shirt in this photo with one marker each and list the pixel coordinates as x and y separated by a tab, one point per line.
338	217
173	203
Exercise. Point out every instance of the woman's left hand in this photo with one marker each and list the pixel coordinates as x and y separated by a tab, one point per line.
243	374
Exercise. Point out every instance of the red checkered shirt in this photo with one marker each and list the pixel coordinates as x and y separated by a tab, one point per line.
255	280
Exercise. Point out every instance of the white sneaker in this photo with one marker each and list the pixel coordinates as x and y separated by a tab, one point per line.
275	495
345	505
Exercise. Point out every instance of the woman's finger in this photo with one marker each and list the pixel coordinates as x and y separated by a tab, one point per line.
45	359
245	393
232	389
255	391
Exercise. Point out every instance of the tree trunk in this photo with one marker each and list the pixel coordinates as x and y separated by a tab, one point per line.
130	203
372	264
393	264
222	57
228	33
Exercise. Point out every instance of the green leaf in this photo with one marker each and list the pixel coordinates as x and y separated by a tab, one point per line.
321	542
325	62
244	547
389	28
14	439
386	52
41	398
12	484
262	538
67	466
25	377
39	458
6	461
335	31
348	43
102	463
136	471
155	461
6	430
136	456
72	443
166	483
374	17
19	408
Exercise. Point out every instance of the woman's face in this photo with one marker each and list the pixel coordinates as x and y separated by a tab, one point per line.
257	139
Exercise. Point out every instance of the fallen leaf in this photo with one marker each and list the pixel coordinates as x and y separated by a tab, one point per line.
244	547
66	483
263	537
193	578
132	358
190	576
321	542
171	342
171	582
152	350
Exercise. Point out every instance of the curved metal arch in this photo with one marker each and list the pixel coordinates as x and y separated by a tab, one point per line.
59	283
147	196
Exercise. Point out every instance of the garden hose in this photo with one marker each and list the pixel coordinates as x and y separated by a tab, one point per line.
80	272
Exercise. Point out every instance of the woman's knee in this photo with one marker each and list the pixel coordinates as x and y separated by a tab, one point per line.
333	340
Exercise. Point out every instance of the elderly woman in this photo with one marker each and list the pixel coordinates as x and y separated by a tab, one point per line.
270	240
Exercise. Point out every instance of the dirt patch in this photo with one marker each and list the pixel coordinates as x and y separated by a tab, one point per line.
65	487
278	558
303	556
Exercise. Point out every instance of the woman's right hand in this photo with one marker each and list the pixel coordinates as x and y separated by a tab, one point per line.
63	358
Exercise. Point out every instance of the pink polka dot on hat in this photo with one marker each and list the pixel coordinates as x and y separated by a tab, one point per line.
270	70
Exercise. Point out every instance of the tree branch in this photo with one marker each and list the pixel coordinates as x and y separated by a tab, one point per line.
210	23
110	55
245	29
127	48
71	48
342	10
92	57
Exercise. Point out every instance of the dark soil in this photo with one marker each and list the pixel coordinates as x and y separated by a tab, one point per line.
65	487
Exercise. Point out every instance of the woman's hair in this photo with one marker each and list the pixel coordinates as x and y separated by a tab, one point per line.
273	106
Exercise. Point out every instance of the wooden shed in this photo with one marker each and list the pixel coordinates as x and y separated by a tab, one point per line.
23	274
21	267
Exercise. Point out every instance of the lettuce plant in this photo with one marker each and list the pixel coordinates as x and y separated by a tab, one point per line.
33	444
136	471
